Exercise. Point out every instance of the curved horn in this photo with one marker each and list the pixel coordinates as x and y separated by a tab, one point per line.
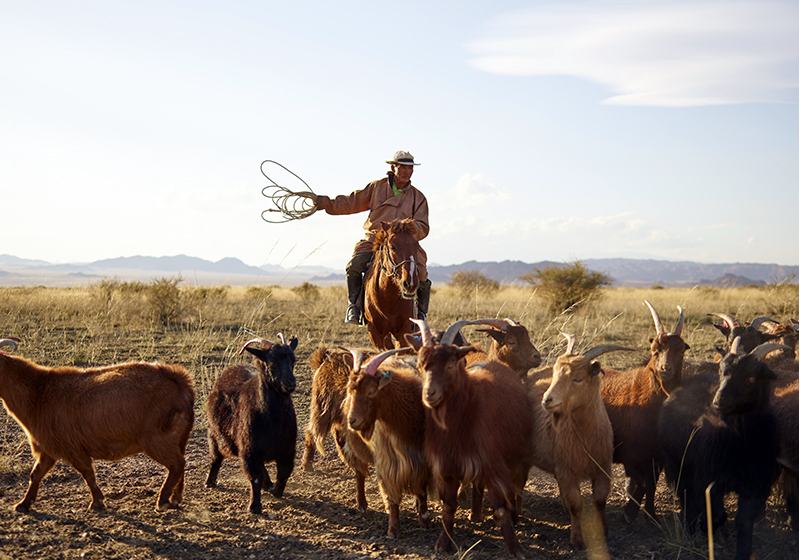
762	350
570	342
425	331
372	366
358	357
282	338
679	326
602	349
730	320
735	345
262	341
12	342
656	319
755	323
450	334
511	322
500	324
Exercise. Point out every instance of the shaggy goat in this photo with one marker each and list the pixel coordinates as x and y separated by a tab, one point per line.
720	431
572	436
511	345
251	417
633	400
385	408
327	414
108	413
784	405
478	431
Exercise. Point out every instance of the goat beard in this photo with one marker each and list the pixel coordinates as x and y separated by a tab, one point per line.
438	414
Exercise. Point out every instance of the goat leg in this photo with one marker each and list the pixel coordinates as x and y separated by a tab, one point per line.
422	509
216	463
285	467
573	503
503	517
476	513
43	465
84	466
172	490
309	452
449	505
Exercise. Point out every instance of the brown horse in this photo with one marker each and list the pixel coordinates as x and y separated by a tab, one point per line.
390	284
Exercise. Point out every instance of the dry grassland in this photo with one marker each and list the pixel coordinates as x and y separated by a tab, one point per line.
113	322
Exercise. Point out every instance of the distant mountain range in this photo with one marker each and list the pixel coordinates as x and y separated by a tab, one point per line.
625	272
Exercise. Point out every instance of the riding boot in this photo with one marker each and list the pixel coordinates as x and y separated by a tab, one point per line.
354	284
423	299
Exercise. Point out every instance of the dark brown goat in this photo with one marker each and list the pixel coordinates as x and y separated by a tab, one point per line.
108	413
633	400
327	413
511	345
478	431
385	408
251	417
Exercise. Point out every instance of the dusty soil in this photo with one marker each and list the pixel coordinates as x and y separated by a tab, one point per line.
316	517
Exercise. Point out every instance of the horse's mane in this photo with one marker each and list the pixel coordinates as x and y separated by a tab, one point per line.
396	227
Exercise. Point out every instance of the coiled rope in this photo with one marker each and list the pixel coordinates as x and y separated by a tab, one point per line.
291	205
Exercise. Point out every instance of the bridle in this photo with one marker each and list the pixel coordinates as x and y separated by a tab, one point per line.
392	271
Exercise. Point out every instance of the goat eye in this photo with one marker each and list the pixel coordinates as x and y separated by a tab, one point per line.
751	379
577	380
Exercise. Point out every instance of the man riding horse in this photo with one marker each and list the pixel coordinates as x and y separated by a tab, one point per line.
387	199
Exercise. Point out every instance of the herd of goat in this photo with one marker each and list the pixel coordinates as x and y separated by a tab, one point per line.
441	416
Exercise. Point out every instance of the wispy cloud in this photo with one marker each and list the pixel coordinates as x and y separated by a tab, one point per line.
656	53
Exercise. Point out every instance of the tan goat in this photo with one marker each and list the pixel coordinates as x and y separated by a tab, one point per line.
572	436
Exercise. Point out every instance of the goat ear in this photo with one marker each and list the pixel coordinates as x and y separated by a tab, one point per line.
651	339
293	343
384	378
723	329
413	340
595	368
499	336
462	351
259	353
686	346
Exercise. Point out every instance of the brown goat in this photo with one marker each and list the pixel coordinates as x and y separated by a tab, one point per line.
108	413
511	345
572	435
327	413
784	405
478	431
385	408
633	400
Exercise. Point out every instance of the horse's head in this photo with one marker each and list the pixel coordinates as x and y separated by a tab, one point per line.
397	246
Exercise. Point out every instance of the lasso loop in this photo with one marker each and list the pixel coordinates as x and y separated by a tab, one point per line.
291	205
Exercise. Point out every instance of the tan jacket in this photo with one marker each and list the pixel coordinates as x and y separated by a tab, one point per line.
383	205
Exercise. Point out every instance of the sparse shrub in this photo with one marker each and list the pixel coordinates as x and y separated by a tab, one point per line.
164	297
468	283
104	291
259	292
307	292
567	286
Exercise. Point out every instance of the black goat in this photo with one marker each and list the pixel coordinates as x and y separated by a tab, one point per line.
720	430
251	417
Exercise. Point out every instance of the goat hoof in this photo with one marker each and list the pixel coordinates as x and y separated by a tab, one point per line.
22	507
97	506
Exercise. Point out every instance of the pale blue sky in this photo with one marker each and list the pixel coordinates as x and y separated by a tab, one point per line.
546	130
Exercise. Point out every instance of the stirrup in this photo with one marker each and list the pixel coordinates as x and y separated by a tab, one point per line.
353	315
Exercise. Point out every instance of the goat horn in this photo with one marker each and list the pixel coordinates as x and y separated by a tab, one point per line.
372	366
602	349
496	323
262	341
449	335
511	322
12	342
358	357
282	338
656	319
679	326
570	342
755	323
424	331
730	320
762	350
735	345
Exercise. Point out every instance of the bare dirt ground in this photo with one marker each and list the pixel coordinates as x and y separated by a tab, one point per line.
316	517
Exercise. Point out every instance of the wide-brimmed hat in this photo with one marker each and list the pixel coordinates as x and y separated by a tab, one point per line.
402	158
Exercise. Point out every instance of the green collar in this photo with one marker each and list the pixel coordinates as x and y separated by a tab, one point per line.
395	190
